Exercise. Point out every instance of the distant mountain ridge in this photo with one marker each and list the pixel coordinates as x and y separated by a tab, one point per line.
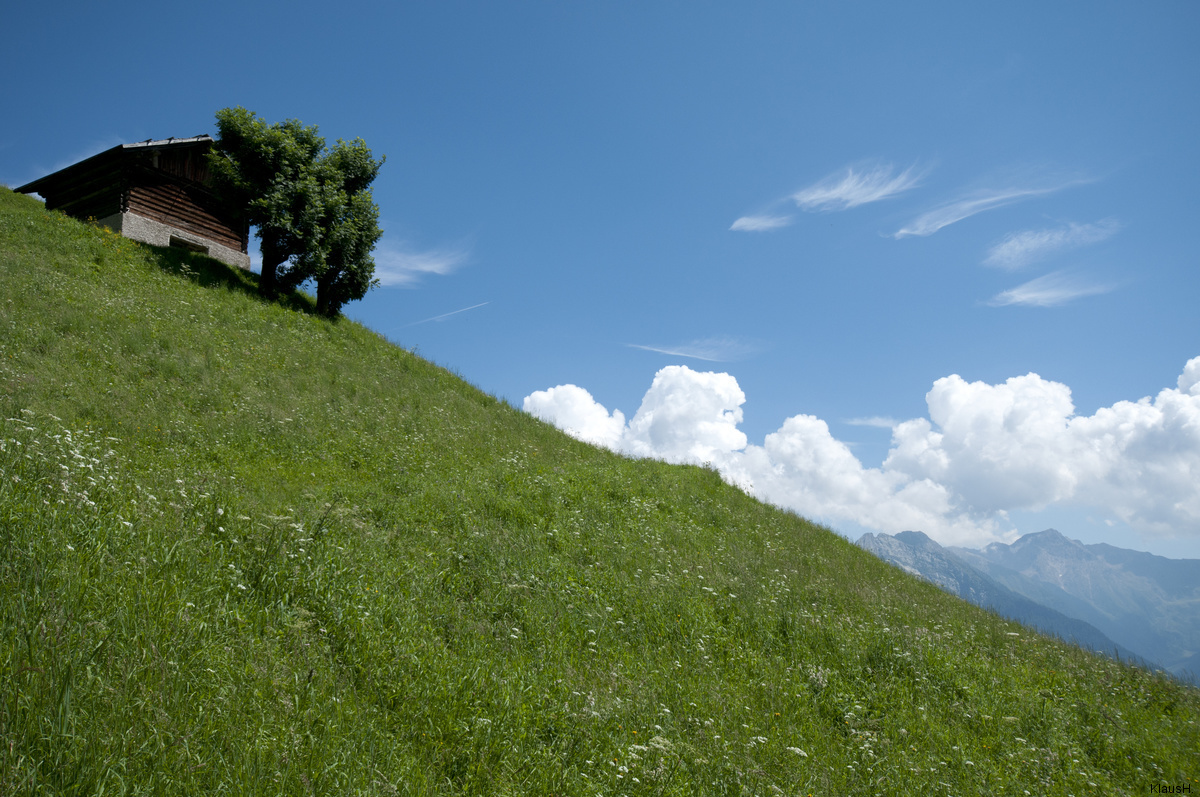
914	552
1147	603
1113	600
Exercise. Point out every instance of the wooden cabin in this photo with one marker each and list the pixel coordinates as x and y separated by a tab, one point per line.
152	191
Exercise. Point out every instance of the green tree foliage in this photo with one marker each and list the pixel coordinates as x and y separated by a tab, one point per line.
342	265
312	206
262	170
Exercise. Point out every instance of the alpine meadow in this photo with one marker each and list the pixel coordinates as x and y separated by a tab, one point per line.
246	549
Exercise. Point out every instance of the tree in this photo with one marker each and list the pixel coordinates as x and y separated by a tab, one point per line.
313	209
349	270
341	264
260	170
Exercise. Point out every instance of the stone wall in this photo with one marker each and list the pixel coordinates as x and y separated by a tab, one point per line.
140	228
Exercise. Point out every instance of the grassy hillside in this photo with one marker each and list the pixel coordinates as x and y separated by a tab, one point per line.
246	550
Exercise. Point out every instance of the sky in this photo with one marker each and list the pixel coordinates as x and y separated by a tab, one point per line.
927	267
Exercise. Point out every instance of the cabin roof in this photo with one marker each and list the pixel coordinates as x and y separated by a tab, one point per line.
57	181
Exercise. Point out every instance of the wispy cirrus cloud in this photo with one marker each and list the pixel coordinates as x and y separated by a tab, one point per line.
943	216
1050	290
876	421
760	223
716	349
398	266
1019	249
858	185
930	222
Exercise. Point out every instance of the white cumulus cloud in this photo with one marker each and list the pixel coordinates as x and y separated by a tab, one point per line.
983	451
1020	445
573	410
997	447
687	416
1189	381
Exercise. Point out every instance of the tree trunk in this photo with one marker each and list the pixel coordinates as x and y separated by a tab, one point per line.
268	283
324	297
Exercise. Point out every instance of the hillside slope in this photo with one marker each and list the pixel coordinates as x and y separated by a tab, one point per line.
247	550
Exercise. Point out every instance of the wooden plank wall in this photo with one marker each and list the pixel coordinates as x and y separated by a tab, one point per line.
188	163
187	208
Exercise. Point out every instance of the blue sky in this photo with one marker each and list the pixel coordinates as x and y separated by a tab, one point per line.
823	246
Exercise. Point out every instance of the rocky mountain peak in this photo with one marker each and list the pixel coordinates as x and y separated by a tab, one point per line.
917	539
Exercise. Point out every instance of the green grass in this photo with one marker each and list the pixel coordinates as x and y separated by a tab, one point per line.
248	550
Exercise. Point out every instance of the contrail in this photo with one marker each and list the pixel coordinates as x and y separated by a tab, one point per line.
446	315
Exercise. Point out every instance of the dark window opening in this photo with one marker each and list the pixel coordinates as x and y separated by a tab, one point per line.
180	243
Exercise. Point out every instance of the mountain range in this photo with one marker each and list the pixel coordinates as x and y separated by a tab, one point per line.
1125	603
